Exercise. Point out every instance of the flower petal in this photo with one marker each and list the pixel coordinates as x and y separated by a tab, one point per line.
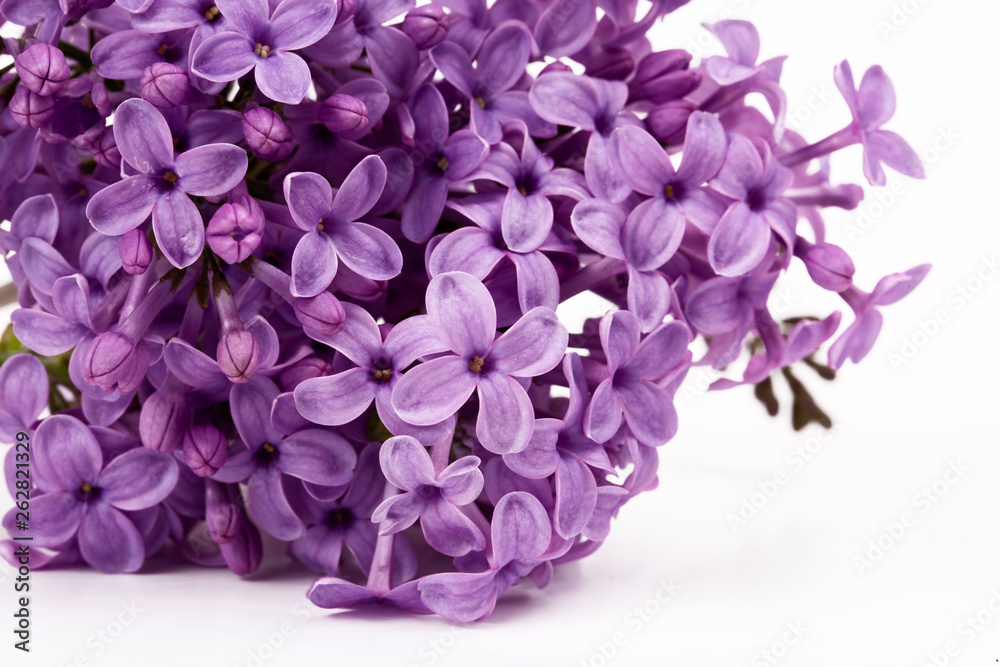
335	399
640	160
462	311
526	221
652	233
224	57
138	479
66	453
317	456
521	528
268	505
122	206
314	264
506	418
649	412
283	77
599	224
212	170
55	517
448	531
460	596
604	413
143	137
296	24
576	497
361	189
109	542
534	345
366	250
739	242
433	391
179	229
406	464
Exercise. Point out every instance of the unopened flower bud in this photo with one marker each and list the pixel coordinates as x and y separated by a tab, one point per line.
204	450
614	63
234	232
165	85
222	515
307	369
239	355
829	266
42	68
112	361
267	135
322	313
163	420
426	26
31	110
668	122
343	114
105	149
136	252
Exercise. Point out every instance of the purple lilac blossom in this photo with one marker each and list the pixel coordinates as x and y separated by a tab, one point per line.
311	254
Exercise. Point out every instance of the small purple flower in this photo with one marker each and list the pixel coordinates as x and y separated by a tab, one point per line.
86	498
500	64
753	177
433	497
441	161
464	316
521	532
630	389
340	398
164	183
313	455
263	41
332	233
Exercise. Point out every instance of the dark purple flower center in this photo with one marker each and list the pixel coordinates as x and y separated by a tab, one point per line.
87	493
428	492
340	518
757	199
212	14
170	177
443	164
476	364
262	50
605	125
527	183
674	191
267	454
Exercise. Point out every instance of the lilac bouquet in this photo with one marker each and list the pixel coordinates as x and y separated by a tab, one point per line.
291	270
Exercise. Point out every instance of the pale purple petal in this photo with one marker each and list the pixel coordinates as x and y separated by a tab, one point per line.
314	264
283	77
537	281
506	418
179	229
138	479
462	311
317	456
212	170
143	137
649	412
336	399
296	24
739	242
604	413
652	233
576	496
521	528
448	531
640	160
109	542
366	250
599	224
268	505
361	189
224	57
55	517
123	206
433	391
526	220
565	99
534	345
66	454
470	250
460	596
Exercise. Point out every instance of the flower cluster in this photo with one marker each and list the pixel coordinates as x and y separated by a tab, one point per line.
292	268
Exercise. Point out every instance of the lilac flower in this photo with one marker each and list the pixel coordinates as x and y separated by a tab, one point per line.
560	447
593	105
340	398
314	455
521	532
742	44
331	231
464	316
857	340
630	389
531	180
433	497
24	393
500	64
477	250
441	161
164	183
872	105
755	179
86	498
725	309
263	41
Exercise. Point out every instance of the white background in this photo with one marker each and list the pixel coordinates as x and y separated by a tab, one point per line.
794	565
